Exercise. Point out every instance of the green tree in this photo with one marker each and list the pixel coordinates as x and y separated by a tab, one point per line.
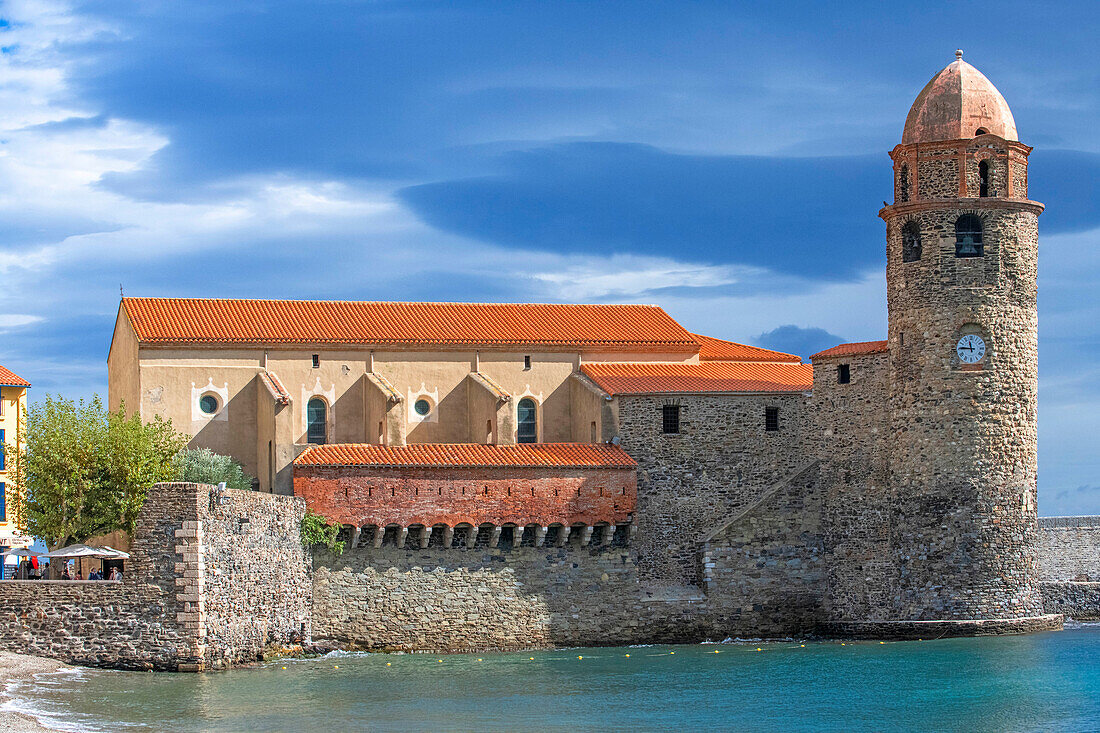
86	471
204	466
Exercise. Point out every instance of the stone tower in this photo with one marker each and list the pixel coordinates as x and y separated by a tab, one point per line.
962	251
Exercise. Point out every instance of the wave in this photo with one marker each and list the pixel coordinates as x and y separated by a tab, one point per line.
37	697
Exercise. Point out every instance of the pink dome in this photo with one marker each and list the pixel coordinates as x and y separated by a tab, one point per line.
958	103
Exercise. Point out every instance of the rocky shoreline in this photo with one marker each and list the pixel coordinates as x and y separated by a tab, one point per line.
15	667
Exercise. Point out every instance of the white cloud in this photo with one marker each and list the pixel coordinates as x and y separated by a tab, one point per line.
592	278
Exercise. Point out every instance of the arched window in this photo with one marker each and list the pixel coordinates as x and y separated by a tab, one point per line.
983	178
316	421
910	242
527	425
968	236
981	131
903	183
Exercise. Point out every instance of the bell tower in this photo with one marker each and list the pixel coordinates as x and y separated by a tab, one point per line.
962	252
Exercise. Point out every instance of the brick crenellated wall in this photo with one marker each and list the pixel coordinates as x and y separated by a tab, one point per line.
451	495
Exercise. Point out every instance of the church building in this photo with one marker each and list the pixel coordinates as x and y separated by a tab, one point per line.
888	485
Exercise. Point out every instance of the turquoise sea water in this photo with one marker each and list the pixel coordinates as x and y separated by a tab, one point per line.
1044	682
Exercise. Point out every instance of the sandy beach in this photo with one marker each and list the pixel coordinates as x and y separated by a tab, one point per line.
16	667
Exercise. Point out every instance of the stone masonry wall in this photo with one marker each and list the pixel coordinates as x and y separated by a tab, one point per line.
1069	548
473	600
160	616
257	590
721	461
764	569
850	424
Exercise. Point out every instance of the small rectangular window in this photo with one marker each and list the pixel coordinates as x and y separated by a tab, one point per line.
670	419
771	419
527	361
3	502
316	361
843	374
592	431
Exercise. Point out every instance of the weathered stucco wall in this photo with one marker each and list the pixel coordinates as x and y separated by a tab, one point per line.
193	595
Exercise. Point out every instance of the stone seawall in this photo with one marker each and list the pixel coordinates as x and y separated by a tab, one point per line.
526	597
1069	548
1079	601
202	589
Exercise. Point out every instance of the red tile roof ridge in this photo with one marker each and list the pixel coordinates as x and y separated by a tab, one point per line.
471	455
617	378
413	323
715	349
389	302
854	348
8	378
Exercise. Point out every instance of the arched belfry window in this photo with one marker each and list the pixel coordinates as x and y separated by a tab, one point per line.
910	242
903	183
316	421
983	178
968	236
527	422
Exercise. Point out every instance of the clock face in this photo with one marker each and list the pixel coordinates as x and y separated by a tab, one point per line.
971	349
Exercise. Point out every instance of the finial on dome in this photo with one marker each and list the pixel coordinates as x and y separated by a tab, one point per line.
959	54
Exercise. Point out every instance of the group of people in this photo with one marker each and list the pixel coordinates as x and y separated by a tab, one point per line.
114	574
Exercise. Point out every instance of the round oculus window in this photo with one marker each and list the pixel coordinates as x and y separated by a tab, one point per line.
422	407
208	403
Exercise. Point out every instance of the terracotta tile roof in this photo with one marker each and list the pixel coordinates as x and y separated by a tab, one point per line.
712	349
856	348
275	387
535	455
711	376
492	385
392	395
9	378
595	327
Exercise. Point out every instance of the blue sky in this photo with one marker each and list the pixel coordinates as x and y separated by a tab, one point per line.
725	161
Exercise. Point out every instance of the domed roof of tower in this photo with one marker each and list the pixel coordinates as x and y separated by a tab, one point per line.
959	102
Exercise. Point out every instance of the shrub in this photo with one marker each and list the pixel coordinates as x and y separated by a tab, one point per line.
204	466
318	532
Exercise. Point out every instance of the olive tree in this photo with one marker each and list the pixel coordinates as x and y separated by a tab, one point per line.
204	466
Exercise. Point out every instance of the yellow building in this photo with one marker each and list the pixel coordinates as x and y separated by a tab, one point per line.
13	403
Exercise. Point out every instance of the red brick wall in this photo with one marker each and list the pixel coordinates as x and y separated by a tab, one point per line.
364	495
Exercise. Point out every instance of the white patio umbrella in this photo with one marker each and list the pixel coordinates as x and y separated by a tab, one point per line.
76	551
21	552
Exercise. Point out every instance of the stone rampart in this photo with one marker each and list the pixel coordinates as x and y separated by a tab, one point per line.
1069	548
722	460
495	599
1079	601
763	577
193	595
